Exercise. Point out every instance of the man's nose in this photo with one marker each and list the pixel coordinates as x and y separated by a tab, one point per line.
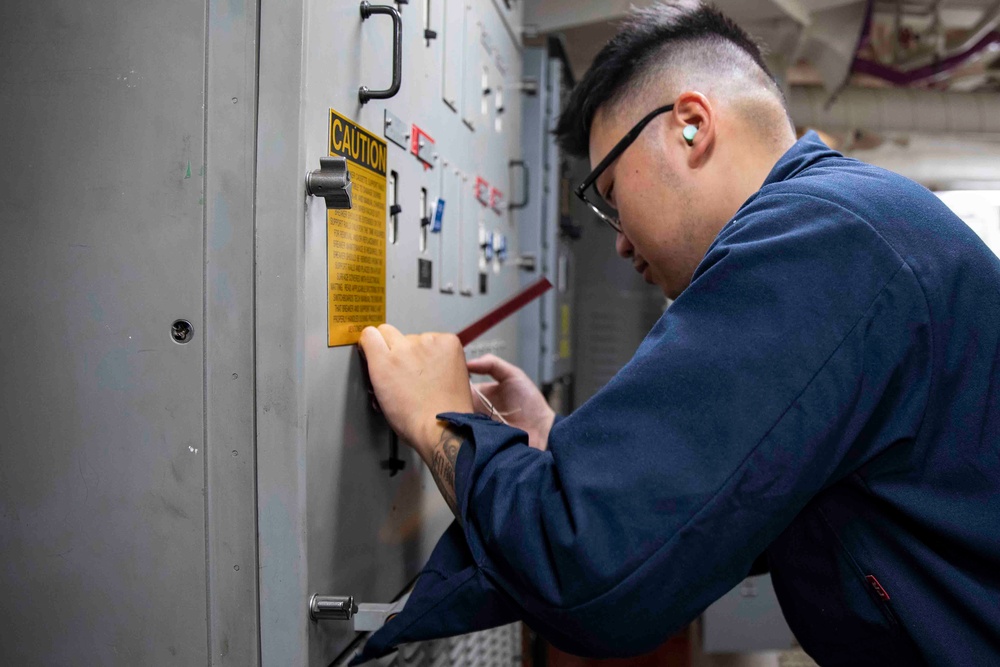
623	246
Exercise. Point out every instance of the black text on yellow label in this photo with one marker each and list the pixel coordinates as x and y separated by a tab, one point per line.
356	236
357	144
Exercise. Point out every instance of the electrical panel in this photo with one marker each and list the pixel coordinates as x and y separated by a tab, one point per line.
192	453
545	227
368	511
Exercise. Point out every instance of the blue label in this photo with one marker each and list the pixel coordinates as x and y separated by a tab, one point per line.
438	216
488	248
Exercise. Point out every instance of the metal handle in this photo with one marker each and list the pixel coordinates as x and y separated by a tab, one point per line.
332	182
393	464
330	608
527	185
368	10
364	617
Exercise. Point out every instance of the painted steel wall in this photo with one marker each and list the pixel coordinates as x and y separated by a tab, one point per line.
127	517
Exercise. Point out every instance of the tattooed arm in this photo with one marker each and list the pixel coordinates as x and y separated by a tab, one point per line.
440	458
416	378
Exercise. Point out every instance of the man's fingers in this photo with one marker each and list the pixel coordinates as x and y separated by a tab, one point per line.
391	335
372	346
493	366
372	343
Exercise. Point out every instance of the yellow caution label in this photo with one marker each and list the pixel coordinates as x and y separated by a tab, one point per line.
355	237
564	333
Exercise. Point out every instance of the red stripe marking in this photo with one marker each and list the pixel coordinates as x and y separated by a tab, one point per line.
503	311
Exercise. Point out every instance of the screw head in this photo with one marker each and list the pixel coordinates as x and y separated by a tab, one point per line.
181	332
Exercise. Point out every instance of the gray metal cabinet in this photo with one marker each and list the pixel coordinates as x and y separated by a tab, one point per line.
177	502
332	521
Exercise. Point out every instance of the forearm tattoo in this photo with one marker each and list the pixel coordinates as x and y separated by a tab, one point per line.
442	465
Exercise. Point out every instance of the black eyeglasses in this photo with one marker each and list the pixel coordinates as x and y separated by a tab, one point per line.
602	208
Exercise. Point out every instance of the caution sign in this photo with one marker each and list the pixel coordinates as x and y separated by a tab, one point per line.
356	237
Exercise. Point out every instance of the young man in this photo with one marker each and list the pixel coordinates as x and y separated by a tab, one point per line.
824	392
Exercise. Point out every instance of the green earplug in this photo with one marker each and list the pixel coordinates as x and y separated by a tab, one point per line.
689	132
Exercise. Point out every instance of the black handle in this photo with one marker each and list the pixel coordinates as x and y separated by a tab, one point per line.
368	10
393	464
527	185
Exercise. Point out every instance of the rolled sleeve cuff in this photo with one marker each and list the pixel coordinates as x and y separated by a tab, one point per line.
483	439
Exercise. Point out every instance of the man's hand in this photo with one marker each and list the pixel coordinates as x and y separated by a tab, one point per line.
416	378
515	397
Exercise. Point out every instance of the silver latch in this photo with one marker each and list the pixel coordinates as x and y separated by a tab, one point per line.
527	262
330	608
332	182
365	617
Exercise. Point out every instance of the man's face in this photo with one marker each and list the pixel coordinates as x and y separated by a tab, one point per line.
652	187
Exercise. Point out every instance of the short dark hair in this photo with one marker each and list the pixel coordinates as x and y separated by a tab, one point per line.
637	48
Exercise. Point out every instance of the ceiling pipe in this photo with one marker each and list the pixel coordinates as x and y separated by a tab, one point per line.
979	39
831	43
927	72
909	9
989	23
895	110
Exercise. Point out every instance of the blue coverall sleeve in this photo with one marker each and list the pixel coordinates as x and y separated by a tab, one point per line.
763	383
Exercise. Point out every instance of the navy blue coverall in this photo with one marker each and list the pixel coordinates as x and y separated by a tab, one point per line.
826	393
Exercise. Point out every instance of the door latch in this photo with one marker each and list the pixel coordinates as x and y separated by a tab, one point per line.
365	617
332	182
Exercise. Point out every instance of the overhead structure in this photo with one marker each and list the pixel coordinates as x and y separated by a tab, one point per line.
896	110
842	54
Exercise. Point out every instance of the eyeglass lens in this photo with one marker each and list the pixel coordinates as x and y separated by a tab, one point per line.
601	206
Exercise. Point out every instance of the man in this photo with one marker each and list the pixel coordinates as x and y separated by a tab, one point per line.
824	392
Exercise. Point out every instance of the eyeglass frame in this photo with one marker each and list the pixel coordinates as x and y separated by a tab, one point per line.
613	155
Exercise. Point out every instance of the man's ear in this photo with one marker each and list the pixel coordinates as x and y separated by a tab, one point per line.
694	127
